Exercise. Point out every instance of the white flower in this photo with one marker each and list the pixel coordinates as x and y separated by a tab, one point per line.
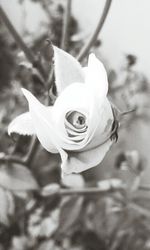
80	125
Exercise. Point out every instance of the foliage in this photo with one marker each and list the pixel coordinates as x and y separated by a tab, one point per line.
40	210
7	62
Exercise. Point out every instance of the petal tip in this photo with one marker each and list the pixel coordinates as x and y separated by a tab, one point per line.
28	95
9	130
92	55
93	59
25	91
55	48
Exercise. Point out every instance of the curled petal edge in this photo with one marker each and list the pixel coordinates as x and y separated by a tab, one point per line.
41	118
77	162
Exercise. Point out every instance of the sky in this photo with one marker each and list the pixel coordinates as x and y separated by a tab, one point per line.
127	28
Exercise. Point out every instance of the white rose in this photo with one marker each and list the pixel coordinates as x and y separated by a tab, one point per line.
80	125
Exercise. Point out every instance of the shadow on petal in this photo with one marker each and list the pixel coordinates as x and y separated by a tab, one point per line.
80	161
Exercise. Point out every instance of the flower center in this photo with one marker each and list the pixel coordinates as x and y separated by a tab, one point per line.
76	127
77	119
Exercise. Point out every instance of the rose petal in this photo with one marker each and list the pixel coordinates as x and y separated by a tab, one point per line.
97	85
67	69
85	98
73	181
96	79
77	162
100	125
41	118
22	125
77	97
74	98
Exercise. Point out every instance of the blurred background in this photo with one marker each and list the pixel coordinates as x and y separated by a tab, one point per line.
48	220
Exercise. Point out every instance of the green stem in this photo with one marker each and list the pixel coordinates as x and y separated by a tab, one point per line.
12	159
65	31
85	50
21	43
88	191
32	150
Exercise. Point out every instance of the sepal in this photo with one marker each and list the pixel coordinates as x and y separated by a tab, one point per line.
22	125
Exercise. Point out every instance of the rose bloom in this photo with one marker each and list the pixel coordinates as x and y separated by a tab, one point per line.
80	126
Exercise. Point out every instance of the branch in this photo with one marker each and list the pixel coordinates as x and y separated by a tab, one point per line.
12	159
89	191
144	187
21	43
98	191
84	51
141	210
45	6
32	150
66	20
25	160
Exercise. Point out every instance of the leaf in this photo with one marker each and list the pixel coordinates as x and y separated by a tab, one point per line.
22	125
73	180
108	184
20	242
48	227
11	203
3	207
21	194
47	245
39	226
70	213
92	240
6	206
67	70
17	177
50	189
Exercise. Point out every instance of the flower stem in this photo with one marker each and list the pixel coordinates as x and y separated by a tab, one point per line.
12	159
65	31
144	187
32	150
84	51
88	191
21	43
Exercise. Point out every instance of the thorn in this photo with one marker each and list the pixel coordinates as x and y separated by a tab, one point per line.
128	112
